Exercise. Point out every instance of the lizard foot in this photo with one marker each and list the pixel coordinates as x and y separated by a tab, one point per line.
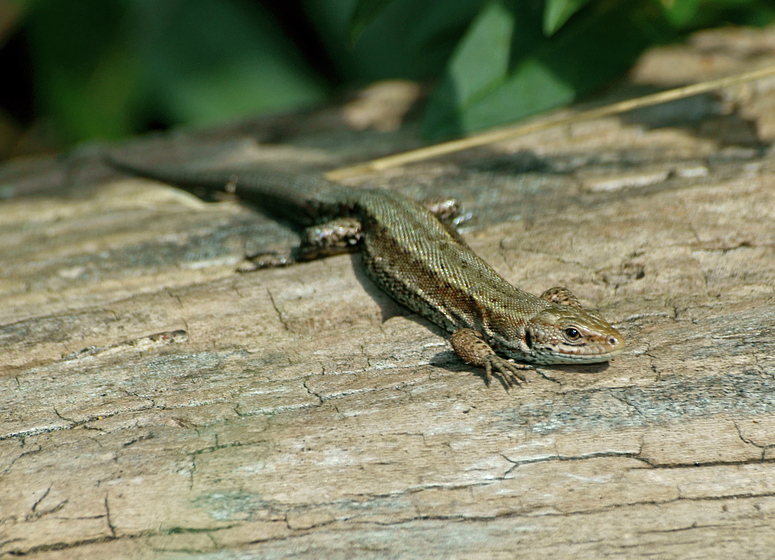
508	370
335	237
474	350
260	261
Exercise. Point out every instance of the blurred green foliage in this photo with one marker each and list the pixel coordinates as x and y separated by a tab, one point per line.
111	68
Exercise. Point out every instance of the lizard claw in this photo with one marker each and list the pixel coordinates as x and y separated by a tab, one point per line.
471	346
508	370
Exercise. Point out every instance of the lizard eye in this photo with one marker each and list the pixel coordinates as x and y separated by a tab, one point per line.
572	333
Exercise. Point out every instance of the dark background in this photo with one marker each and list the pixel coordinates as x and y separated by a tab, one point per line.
77	70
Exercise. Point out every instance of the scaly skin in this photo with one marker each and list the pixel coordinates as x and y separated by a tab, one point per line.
424	265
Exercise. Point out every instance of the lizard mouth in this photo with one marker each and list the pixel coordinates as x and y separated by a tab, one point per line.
599	349
581	354
589	356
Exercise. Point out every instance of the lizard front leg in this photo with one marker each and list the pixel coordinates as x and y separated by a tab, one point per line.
474	350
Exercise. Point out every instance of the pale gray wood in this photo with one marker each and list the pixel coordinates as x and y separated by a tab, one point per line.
304	415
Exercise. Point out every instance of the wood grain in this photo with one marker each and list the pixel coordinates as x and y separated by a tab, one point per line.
302	414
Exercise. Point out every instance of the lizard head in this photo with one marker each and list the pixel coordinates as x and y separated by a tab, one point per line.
564	334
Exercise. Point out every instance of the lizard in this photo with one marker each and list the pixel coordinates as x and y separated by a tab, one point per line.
414	254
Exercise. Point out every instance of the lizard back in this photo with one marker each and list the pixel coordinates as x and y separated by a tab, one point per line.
411	255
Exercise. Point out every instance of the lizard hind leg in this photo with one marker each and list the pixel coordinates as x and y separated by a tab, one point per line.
338	236
342	235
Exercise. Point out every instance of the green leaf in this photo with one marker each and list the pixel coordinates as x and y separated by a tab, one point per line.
364	13
542	72
532	88
479	65
106	68
209	60
86	75
694	14
441	22
411	39
483	57
557	12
